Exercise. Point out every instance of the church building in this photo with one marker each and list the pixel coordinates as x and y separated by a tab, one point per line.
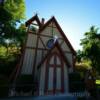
48	58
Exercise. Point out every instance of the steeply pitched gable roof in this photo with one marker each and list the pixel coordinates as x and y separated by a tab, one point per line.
34	18
60	30
56	45
42	27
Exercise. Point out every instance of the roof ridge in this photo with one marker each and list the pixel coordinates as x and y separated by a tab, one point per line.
35	17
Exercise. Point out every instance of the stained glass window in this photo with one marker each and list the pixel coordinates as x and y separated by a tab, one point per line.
50	43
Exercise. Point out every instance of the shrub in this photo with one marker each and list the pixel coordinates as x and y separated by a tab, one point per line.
76	84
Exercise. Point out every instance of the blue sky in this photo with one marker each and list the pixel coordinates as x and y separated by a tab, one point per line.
74	16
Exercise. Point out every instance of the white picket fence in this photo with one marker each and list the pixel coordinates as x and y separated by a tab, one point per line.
81	94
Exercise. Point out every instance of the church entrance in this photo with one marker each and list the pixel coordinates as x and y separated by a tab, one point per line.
54	79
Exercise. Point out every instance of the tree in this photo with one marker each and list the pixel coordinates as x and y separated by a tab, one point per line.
11	37
91	47
16	8
79	56
12	11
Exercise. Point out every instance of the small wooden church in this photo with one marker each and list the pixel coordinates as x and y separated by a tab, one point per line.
48	58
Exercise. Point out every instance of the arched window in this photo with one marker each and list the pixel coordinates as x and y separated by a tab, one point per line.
54	79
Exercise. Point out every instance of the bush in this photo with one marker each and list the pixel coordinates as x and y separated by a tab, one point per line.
7	64
76	84
74	76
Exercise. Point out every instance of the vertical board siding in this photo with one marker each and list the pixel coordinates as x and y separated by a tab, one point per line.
39	56
65	47
40	44
50	78
56	31
51	60
28	62
47	31
60	41
45	40
58	79
69	58
66	78
31	41
44	53
58	61
38	60
42	80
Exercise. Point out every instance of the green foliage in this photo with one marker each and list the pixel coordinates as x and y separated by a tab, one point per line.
11	37
98	82
79	56
2	51
11	12
5	16
21	34
91	47
7	62
16	8
84	65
